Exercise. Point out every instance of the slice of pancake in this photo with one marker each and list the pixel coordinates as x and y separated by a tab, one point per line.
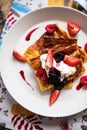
59	41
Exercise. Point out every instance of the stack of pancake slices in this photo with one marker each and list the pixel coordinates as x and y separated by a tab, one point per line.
57	41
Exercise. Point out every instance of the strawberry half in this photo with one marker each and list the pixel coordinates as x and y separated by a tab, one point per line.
49	61
18	56
71	61
85	47
50	28
41	73
73	28
54	96
83	80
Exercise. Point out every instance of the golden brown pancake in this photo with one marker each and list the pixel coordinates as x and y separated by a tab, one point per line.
59	41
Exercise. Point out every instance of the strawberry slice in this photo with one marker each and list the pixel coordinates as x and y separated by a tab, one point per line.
71	61
50	28
41	73
83	80
54	96
18	56
73	28
85	47
49	60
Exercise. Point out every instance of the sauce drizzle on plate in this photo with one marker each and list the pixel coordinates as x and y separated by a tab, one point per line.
23	77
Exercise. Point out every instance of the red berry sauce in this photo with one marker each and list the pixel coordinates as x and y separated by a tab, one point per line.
27	38
23	77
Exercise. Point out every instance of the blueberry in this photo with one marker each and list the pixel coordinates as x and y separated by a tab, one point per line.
54	78
54	75
59	56
60	84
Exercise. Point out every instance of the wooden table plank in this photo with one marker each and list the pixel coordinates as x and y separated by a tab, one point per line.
4	9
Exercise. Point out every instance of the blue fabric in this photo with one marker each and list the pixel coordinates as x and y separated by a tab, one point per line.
0	42
20	7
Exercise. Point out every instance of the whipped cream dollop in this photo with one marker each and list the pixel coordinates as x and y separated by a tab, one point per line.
64	69
43	60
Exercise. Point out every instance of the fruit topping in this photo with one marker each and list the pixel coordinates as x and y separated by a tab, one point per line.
79	86
83	80
59	56
85	47
73	28
50	28
54	75
60	84
41	73
49	61
54	96
18	56
71	61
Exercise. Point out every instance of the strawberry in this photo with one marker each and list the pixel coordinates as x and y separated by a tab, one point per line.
73	28
83	80
71	61
41	73
18	56
85	47
54	96
79	86
50	28
49	59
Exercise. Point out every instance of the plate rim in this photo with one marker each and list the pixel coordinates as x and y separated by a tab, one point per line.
14	27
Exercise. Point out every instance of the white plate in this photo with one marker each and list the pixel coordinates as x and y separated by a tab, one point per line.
70	101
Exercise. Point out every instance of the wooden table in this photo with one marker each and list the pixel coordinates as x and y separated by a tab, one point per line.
4	9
